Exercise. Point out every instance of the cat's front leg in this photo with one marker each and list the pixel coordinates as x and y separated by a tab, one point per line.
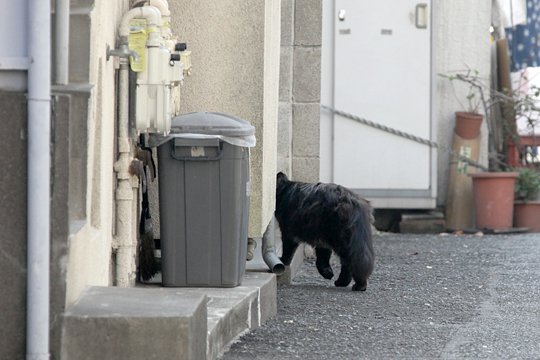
289	248
323	262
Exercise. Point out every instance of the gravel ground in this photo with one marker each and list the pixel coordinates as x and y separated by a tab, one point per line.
430	296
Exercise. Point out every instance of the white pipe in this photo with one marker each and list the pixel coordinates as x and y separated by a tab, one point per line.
125	225
165	24
150	13
162	5
61	35
125	255
269	252
39	163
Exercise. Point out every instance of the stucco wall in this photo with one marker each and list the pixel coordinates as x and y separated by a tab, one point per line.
461	40
89	258
235	56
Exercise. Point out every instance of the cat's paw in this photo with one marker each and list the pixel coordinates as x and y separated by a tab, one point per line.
342	282
326	272
285	262
360	287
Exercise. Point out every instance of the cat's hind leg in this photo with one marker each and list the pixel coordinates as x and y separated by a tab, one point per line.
359	285
361	268
323	262
360	272
345	275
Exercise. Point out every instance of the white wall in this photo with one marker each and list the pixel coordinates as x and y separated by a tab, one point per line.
460	38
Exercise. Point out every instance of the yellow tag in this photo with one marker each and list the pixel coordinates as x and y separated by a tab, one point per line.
137	42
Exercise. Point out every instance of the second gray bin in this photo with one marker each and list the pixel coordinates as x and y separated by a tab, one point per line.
204	200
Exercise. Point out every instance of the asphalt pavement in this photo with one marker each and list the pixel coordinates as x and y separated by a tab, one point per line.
430	297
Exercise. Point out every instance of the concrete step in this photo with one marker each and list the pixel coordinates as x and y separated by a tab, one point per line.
135	323
152	322
165	323
235	311
422	222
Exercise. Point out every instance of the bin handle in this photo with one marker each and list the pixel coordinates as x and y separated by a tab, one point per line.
196	158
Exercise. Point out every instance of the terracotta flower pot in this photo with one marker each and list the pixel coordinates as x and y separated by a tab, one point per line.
527	214
494	199
468	124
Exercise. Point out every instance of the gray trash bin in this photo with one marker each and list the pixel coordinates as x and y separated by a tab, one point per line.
204	200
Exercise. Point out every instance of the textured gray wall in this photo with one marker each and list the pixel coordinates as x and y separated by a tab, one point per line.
13	224
300	89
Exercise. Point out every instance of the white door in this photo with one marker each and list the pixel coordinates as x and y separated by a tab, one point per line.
382	72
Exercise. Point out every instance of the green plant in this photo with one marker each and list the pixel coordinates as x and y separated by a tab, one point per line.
527	184
475	88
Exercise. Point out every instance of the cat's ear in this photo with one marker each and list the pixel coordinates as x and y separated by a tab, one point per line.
281	177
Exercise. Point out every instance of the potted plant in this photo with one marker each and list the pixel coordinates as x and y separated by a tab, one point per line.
468	120
527	205
493	187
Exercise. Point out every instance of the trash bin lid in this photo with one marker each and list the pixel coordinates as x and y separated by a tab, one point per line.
211	123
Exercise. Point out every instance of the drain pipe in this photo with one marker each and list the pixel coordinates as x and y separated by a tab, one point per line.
268	252
61	36
165	24
39	165
163	7
124	243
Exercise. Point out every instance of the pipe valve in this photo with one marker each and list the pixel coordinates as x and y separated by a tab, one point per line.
123	52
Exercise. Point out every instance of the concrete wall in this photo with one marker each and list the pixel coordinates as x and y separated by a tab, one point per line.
459	41
235	56
91	234
75	261
13	145
299	91
13	224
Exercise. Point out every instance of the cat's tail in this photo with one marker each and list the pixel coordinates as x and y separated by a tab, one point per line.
363	256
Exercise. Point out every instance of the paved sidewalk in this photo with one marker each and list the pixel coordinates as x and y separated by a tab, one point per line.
431	296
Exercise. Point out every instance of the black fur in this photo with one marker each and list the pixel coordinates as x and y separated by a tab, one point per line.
330	218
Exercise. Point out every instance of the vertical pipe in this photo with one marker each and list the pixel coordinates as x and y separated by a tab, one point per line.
125	256
125	225
39	162
61	35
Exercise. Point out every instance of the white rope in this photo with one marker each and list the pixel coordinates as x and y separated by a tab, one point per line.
405	135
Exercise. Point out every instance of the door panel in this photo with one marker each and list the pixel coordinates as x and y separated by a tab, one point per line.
382	73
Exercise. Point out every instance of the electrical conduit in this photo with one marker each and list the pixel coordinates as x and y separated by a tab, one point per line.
61	35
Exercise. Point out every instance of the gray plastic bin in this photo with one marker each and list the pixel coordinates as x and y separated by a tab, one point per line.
204	200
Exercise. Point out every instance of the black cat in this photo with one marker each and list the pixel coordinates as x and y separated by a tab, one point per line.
327	217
